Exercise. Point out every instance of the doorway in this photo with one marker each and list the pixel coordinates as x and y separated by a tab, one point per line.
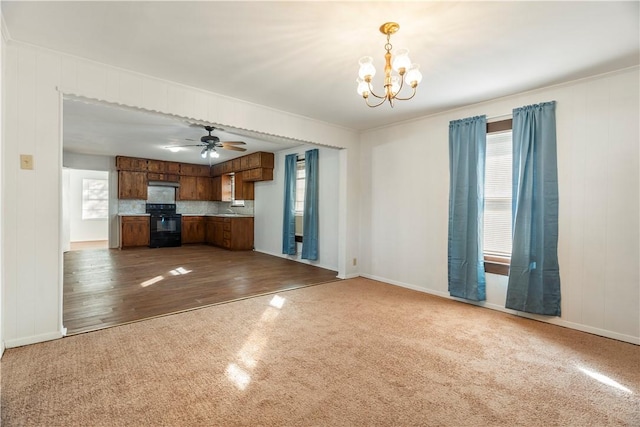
85	209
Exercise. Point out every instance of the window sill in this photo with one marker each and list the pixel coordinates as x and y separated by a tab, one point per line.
496	265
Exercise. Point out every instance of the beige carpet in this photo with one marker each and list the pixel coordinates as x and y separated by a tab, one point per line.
356	352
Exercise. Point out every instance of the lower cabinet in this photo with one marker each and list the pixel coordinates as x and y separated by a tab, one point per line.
134	231
234	233
193	229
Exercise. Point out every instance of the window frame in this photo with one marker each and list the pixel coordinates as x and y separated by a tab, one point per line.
299	160
497	264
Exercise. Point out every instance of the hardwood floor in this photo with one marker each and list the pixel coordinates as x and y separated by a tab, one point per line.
107	287
94	244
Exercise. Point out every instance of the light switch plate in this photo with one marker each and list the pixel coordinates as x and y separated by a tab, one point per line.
26	161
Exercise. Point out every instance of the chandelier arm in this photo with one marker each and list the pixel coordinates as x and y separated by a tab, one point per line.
415	90
371	92
366	100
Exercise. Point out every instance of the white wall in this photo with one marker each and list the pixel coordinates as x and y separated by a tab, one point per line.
404	205
34	82
269	208
2	141
82	230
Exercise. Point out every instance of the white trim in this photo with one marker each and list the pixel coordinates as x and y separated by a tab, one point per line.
551	320
34	339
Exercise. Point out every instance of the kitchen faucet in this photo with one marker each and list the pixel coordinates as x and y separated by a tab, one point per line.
230	211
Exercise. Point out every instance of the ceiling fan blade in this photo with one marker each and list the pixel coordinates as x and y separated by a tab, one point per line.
233	142
233	147
188	145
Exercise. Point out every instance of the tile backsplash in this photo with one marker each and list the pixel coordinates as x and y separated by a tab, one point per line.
188	207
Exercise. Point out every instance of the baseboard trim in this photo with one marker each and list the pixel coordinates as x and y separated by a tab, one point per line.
302	261
33	339
551	320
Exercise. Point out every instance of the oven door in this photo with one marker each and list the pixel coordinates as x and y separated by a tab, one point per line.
165	230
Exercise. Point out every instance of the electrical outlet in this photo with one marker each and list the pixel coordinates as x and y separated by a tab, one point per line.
26	161
355	261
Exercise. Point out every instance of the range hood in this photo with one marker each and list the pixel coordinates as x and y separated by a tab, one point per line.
163	184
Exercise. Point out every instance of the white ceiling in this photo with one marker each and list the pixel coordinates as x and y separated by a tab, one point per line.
301	56
101	129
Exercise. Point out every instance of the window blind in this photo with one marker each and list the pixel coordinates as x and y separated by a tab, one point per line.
497	207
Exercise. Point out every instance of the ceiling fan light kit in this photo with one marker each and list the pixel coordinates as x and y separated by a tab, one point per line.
210	144
408	72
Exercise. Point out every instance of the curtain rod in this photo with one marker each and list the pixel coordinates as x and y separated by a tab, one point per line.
498	118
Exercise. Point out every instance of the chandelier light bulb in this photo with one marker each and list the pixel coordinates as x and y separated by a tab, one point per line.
363	87
214	154
401	61
366	68
203	153
413	76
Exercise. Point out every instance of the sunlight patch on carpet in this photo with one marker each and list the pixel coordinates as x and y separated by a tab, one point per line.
604	379
249	355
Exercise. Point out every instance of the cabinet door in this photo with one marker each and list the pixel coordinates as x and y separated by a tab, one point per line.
172	168
258	174
131	164
134	231
188	188
243	190
204	186
132	185
218	233
221	188
193	229
241	234
156	166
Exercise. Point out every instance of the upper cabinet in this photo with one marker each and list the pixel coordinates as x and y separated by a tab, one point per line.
194	170
131	164
254	167
132	185
197	182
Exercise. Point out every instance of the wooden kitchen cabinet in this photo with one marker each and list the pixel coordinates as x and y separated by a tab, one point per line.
168	177
214	230
243	190
238	233
188	188
204	188
260	159
134	231
193	229
132	185
257	174
194	170
131	164
163	171
221	188
233	233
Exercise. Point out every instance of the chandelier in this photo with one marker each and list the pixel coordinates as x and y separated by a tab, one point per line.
393	84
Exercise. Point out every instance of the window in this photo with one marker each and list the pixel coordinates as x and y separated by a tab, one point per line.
95	199
497	202
300	188
234	202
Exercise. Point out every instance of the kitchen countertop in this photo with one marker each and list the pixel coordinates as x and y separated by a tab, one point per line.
224	215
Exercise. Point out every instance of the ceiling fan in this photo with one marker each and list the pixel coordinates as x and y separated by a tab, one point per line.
211	142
